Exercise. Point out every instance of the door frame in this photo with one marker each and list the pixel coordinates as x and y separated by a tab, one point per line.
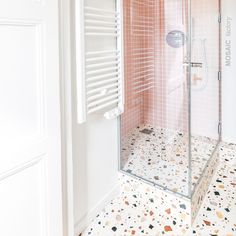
66	74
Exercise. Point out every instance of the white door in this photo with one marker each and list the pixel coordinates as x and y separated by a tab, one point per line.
30	165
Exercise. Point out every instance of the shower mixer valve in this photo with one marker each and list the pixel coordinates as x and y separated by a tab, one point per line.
193	64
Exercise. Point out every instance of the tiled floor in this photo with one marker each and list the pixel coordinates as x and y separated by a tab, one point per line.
162	157
140	210
217	216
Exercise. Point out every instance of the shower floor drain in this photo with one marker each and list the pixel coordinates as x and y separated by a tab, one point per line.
146	131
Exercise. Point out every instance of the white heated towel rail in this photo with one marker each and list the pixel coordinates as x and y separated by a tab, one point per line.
100	86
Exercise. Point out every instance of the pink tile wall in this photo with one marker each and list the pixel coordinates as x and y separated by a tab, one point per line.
171	94
155	83
133	115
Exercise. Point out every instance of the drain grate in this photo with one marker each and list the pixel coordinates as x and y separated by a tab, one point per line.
146	131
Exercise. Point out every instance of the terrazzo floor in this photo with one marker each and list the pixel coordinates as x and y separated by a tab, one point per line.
162	157
140	210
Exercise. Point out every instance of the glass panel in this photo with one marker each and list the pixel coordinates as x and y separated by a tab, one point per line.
204	84
155	124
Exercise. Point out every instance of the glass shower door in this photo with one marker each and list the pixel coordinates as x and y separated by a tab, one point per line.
205	85
155	124
175	95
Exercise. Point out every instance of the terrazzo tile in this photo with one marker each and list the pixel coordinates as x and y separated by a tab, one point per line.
203	185
162	157
220	203
141	209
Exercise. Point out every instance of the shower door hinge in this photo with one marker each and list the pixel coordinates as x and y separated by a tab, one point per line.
219	18
219	128
219	75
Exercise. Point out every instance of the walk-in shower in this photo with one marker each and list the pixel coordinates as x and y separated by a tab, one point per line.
171	123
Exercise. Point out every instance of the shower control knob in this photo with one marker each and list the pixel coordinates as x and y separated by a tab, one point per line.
193	64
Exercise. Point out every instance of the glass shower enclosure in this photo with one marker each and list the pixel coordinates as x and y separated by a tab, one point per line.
170	127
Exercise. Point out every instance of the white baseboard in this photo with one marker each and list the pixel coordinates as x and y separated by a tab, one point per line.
81	225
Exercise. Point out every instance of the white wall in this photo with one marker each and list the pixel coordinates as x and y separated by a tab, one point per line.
205	49
95	148
229	70
95	151
228	82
